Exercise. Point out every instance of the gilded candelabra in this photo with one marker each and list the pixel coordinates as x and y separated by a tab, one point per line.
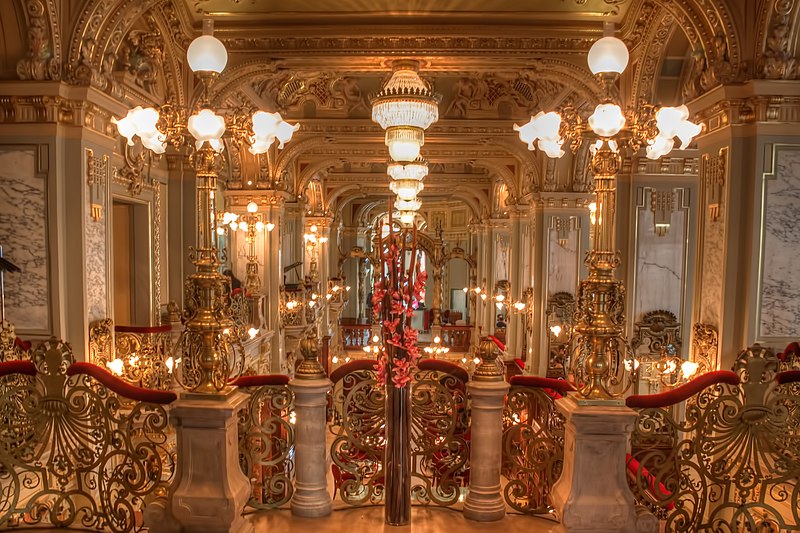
208	354
598	348
251	223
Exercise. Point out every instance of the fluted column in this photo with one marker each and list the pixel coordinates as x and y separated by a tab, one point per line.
488	389
310	387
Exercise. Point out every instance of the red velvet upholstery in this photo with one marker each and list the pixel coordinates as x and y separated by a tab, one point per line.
792	348
21	344
498	342
261	380
559	385
660	493
520	363
352	366
683	392
143	329
17	367
444	366
121	387
790	376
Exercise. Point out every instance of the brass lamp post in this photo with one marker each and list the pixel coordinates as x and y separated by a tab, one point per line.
598	348
208	355
251	223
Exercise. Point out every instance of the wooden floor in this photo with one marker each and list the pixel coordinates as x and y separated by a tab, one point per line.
423	520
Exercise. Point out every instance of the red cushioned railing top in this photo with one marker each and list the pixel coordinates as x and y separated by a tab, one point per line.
792	348
790	376
352	366
120	386
143	329
444	366
21	344
559	385
520	363
498	342
17	367
261	380
683	392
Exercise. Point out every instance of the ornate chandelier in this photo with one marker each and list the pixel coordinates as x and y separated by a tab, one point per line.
207	355
599	353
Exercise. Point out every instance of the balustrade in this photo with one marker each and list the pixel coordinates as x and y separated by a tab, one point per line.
79	448
731	460
266	439
355	336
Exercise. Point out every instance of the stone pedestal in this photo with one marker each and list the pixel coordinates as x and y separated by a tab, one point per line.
210	490
485	501
592	495
311	498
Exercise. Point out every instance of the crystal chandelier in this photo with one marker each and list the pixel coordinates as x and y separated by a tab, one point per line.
406	184
599	352
207	355
405	107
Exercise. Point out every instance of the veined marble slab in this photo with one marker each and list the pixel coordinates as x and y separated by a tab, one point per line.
659	263
23	235
780	282
562	263
96	279
712	268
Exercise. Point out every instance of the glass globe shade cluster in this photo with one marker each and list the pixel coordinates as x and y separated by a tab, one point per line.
207	58
405	107
609	57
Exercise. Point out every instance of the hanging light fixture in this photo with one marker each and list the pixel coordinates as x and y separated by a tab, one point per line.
405	107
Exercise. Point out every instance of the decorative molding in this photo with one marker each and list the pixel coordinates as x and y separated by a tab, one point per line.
705	348
97	174
714	177
43	59
655	331
777	60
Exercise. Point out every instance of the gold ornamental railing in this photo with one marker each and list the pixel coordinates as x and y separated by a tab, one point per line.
266	440
440	434
729	460
533	443
79	447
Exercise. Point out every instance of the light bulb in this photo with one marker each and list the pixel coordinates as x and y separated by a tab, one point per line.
334	359
519	306
116	366
252	207
270	226
556	330
243	226
465	289
259	226
207	126
608	55
500	297
403	150
234	225
437	340
313	228
375	338
252	332
407	218
478	290
220	230
607	120
207	54
689	368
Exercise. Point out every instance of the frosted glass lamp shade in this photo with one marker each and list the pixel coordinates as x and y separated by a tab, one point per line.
284	132
252	207
608	55
207	126
406	189
659	147
400	150
607	120
207	54
407	218
416	170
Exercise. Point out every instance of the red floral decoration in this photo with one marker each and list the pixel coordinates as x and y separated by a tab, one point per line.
395	296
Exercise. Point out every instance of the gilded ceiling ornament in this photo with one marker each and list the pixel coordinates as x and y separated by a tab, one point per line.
777	61
40	62
141	55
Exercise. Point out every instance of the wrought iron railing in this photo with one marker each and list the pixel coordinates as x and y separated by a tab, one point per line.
533	443
440	433
266	440
12	348
729	460
355	336
457	338
357	423
79	447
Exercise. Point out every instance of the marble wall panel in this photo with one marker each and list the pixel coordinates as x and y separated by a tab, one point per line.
96	273
780	281
660	262
23	235
562	262
713	268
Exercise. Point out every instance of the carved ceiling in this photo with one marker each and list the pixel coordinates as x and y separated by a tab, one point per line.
316	61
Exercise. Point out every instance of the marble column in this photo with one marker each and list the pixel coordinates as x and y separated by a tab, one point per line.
210	490
488	389
515	258
272	280
592	495
310	387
